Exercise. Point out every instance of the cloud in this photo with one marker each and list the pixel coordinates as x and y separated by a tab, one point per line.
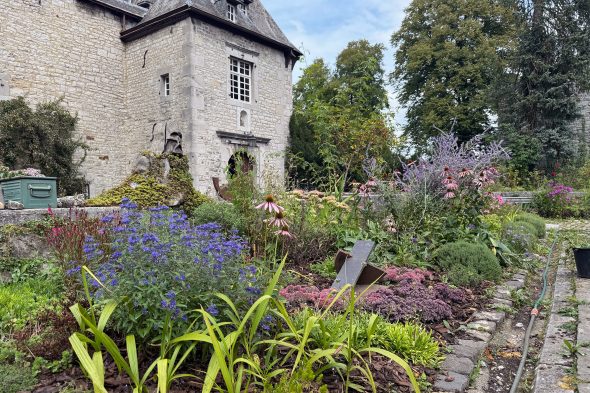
322	28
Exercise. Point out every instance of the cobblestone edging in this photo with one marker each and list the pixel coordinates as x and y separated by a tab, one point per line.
16	217
458	366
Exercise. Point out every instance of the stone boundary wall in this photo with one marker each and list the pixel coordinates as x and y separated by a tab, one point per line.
17	217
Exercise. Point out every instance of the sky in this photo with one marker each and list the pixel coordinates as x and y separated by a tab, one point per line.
322	28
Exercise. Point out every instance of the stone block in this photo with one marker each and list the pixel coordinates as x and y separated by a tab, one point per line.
453	383
494	316
468	349
460	365
481	336
551	379
483	326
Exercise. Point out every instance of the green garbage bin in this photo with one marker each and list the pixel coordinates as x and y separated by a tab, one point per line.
32	192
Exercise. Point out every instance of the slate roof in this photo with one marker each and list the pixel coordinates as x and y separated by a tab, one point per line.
257	20
123	6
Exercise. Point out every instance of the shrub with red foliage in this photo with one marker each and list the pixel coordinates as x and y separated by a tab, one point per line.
399	274
301	296
408	300
67	237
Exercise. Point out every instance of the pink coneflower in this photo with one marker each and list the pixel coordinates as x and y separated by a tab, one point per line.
284	232
452	186
449	195
279	221
448	180
270	205
465	172
371	182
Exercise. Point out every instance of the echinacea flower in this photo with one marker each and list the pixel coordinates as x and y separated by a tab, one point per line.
270	205
284	232
449	195
452	186
465	172
448	180
279	221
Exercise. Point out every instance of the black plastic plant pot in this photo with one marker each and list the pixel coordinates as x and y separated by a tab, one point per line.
582	256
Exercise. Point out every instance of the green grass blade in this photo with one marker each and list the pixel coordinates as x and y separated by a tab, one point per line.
87	363
133	361
163	376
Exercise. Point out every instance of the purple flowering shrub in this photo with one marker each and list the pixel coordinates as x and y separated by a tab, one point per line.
440	197
409	300
160	266
558	201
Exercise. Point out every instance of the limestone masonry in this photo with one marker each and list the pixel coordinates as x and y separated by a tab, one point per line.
207	78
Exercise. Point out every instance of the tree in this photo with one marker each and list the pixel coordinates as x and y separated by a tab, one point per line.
42	139
338	117
448	52
550	68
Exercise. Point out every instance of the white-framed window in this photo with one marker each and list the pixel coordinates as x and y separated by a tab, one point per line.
231	12
240	79
243	9
165	85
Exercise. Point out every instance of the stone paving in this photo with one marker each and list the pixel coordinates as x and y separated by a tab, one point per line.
459	365
583	339
556	372
553	367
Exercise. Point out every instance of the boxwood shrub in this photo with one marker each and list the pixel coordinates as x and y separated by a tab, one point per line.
467	264
536	221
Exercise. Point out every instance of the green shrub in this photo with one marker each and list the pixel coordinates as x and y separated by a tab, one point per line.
536	221
16	378
222	213
42	138
410	341
468	262
520	236
325	269
23	301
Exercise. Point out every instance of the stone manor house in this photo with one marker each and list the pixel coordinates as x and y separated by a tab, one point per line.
208	78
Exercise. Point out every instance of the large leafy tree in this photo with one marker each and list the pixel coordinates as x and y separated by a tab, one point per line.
339	118
541	89
448	52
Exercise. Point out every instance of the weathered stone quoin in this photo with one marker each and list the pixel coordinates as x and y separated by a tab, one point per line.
155	75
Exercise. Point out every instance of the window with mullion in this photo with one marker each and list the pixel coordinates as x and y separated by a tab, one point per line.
240	80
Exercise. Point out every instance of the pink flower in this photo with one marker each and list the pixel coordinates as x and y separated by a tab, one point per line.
465	172
446	171
284	231
270	205
449	195
448	180
500	200
279	221
452	186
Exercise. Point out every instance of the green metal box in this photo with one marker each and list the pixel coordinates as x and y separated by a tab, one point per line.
32	192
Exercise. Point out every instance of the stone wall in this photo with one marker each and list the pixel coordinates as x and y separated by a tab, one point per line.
268	112
66	48
153	117
71	49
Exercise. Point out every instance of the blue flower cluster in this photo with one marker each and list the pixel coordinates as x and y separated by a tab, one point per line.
167	268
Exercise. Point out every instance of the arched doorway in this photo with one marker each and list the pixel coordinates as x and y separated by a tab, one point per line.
240	161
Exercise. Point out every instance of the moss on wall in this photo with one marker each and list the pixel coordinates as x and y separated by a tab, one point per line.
164	184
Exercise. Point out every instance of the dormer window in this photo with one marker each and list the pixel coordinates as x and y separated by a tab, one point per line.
231	12
144	4
243	9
